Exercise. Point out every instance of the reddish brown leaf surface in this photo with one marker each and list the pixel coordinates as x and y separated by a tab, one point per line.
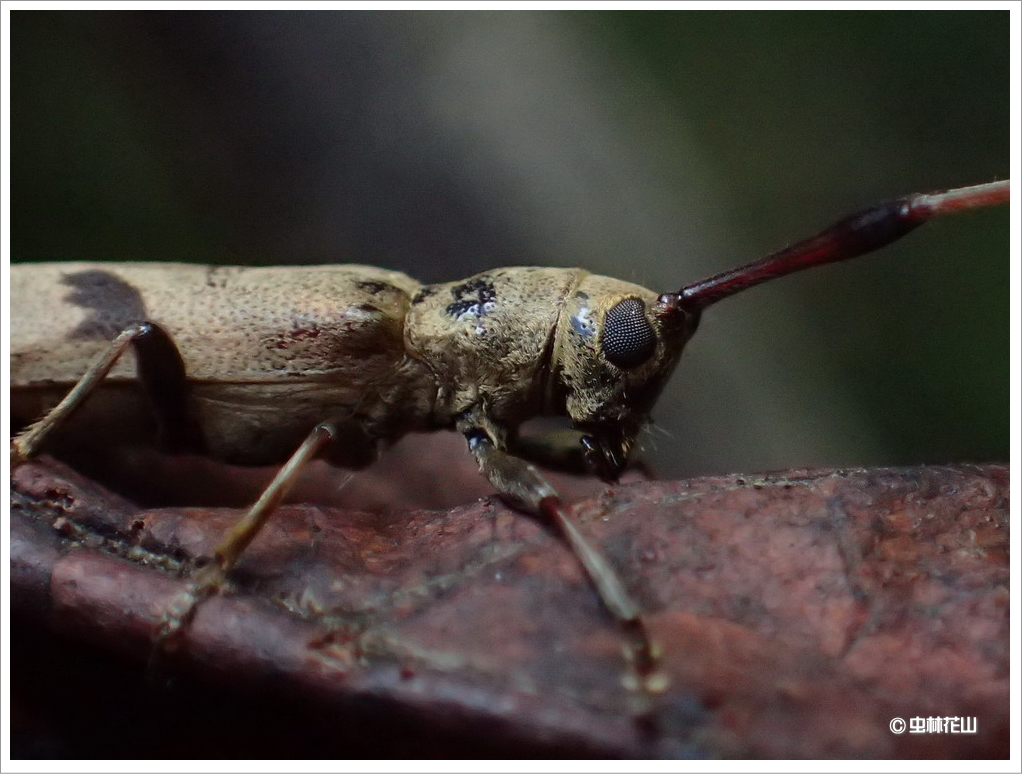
798	614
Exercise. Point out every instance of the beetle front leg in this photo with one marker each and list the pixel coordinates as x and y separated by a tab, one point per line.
521	483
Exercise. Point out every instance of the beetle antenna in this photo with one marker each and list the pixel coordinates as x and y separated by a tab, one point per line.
850	237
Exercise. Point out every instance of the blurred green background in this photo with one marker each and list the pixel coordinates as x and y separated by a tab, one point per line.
658	147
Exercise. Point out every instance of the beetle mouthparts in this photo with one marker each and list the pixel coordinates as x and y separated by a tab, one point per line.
604	461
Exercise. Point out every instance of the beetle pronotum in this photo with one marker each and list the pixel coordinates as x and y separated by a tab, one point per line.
270	365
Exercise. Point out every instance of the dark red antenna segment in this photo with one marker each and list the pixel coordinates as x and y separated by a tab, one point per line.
850	237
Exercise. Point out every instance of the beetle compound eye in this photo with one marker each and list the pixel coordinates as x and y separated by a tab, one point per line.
628	338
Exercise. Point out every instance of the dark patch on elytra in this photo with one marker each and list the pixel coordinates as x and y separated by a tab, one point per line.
115	304
372	287
475	297
298	332
216	277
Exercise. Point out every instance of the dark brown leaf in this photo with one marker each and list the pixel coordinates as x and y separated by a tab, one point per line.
798	614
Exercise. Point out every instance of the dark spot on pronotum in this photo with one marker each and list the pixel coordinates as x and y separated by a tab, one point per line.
423	294
475	297
115	304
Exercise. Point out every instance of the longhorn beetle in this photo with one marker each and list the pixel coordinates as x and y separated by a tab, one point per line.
279	365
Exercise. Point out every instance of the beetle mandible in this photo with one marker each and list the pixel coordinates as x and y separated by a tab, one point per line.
279	365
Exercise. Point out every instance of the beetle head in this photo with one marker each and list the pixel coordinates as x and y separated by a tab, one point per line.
616	346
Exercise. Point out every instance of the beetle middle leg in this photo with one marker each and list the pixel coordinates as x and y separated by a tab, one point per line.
521	483
210	578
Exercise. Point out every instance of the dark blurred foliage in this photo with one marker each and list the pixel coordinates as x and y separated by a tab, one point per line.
655	146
